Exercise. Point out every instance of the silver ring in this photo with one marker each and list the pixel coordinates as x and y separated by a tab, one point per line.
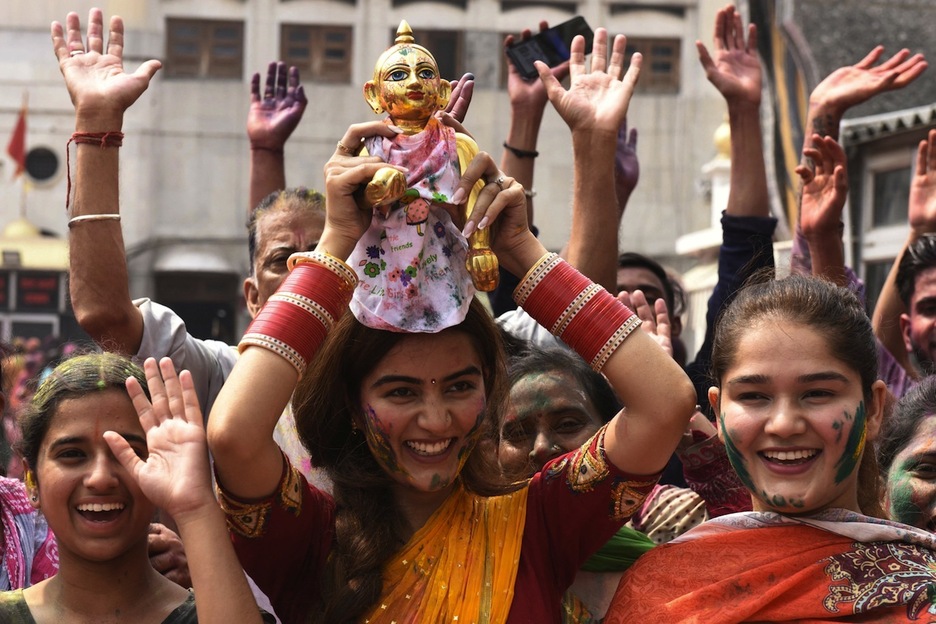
75	52
500	182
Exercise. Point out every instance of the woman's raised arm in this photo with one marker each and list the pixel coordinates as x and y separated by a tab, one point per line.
247	460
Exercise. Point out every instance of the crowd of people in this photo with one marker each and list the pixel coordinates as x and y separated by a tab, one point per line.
388	443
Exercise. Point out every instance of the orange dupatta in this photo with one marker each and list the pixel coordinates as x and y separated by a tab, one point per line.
786	572
461	566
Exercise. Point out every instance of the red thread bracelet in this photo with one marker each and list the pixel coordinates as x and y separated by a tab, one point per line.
104	139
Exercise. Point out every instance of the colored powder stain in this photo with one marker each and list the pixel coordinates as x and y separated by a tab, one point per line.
854	446
734	456
902	506
379	442
471	439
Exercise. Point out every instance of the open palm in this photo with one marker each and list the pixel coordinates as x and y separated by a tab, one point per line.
96	78
922	210
596	99
175	475
733	67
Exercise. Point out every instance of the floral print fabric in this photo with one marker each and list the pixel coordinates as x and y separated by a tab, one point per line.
411	263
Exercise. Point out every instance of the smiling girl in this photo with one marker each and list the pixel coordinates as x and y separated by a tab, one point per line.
798	407
101	454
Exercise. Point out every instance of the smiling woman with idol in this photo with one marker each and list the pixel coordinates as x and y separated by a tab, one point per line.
799	406
421	526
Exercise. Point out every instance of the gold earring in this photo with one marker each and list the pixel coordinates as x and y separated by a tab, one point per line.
30	481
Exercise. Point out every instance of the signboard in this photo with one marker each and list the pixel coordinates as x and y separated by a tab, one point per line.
37	291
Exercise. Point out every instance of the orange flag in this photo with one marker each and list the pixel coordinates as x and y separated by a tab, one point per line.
16	148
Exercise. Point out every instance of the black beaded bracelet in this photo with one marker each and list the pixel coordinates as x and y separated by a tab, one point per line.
519	153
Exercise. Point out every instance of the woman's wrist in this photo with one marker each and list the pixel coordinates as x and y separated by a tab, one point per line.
336	244
521	257
200	502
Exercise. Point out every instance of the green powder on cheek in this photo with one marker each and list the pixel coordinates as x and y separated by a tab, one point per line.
900	494
734	456
854	446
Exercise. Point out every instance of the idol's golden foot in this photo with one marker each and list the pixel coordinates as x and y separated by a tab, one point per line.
482	266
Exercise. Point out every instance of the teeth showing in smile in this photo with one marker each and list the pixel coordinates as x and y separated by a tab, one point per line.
789	456
435	448
101	507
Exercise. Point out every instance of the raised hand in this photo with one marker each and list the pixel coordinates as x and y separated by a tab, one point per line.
825	187
851	85
272	118
462	90
626	165
655	318
501	204
347	216
529	95
733	67
96	80
922	209
597	99
174	476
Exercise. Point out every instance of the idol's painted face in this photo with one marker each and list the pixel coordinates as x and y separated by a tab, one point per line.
911	480
423	406
794	419
409	86
94	507
549	415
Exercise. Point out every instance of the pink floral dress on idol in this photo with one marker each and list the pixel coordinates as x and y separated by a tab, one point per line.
411	263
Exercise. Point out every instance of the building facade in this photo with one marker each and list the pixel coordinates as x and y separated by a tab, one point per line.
184	163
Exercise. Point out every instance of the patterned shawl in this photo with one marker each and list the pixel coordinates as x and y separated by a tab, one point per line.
30	553
835	566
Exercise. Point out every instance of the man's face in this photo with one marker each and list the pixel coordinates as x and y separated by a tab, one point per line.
279	235
634	278
638	278
919	322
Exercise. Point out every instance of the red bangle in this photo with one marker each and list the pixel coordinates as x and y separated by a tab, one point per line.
296	319
104	139
584	315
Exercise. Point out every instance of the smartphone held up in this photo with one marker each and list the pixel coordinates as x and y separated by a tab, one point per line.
550	46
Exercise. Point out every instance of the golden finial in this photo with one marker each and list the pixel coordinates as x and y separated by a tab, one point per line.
722	139
404	34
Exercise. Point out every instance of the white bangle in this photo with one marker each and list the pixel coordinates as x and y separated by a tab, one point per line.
93	217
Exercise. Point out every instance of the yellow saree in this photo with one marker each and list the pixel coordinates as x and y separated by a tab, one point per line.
460	567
